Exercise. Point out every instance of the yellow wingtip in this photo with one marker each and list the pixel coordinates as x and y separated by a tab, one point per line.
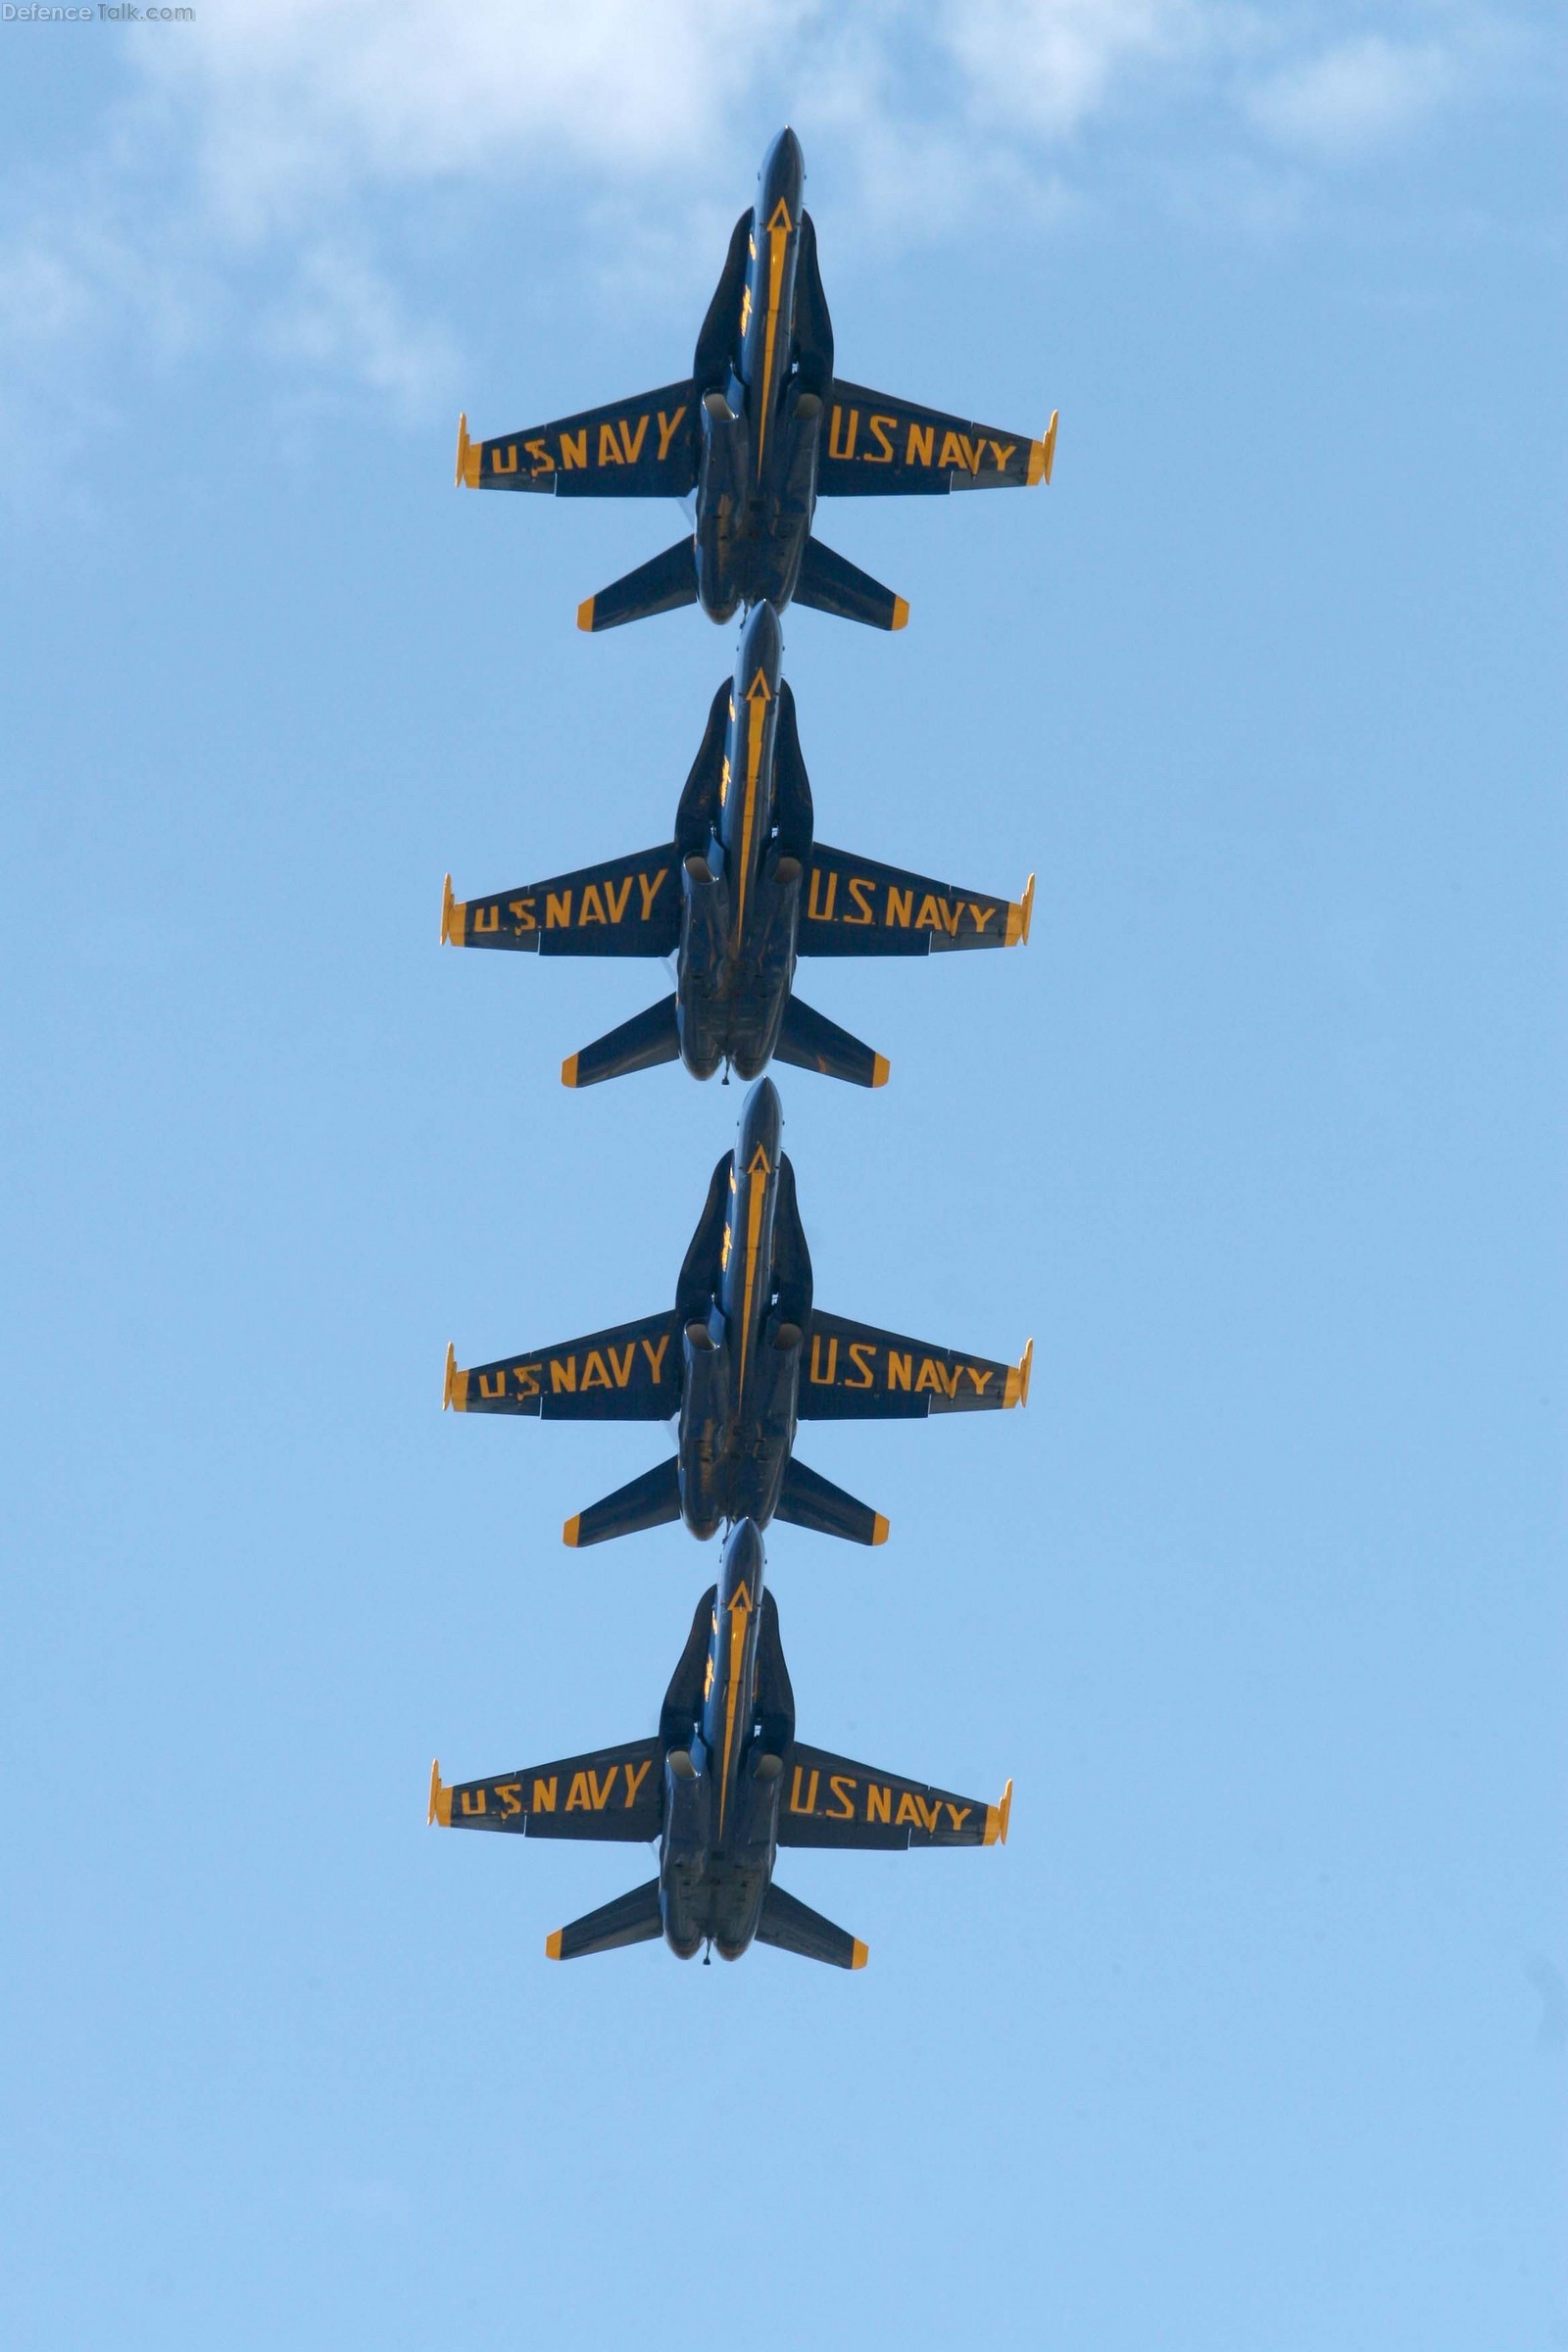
901	613
1004	1809
1026	909
553	1944
585	613
568	1070
440	1809
859	1954
454	1387
1051	447
570	1532
879	1528
467	471
454	917
879	1069
1026	1365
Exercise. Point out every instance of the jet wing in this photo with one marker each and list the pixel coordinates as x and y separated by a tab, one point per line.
854	1372
626	906
645	447
631	1372
616	1792
876	446
853	906
830	1800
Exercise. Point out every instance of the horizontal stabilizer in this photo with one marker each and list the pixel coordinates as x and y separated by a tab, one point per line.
808	1500
624	907
652	1501
662	585
831	583
811	1041
640	1043
644	447
855	1372
876	446
854	906
616	1792
631	1372
630	1918
794	1927
831	1800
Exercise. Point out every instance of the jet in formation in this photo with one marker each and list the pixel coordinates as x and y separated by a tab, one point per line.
742	890
760	429
723	1786
743	1356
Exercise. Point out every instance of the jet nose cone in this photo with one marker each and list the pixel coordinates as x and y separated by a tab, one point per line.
783	174
761	649
744	1564
761	1126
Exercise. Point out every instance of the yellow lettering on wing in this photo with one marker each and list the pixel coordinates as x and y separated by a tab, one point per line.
860	1354
878	1801
810	1806
493	1384
824	1380
511	1795
636	1774
473	1801
859	889
881	429
667	429
543	462
609	447
617	907
504	461
557	910
594	1375
486	918
898	1370
562	1375
655	1357
842	1785
929	1376
574	448
592	909
823	913
1003	454
833	449
959	1814
522	910
901	906
544	1795
918	449
982	914
632	443
980	1379
577	1798
954	453
650	890
621	1364
909	1811
601	1794
928	920
526	1376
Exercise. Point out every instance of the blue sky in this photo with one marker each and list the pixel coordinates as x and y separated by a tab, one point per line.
1256	2034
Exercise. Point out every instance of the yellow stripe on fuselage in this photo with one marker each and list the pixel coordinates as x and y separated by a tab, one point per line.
754	1238
777	239
755	722
740	1610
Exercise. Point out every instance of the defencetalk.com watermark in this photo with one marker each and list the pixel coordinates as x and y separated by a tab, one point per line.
13	11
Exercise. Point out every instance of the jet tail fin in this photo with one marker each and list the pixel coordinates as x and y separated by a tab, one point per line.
808	1500
632	1918
640	1043
831	583
652	1501
794	1927
662	585
811	1041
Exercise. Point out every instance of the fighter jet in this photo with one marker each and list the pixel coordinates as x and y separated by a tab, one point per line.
741	1357
723	1786
759	431
741	892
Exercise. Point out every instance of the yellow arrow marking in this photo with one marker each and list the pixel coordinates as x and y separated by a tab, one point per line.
740	1610
778	236
756	716
755	1176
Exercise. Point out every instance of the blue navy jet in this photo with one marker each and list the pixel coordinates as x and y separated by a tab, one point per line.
743	1356
742	890
722	1787
760	429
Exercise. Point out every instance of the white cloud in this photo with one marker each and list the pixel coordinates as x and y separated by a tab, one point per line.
1352	98
1047	65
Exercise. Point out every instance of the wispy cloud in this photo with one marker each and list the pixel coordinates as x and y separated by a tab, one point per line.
257	151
